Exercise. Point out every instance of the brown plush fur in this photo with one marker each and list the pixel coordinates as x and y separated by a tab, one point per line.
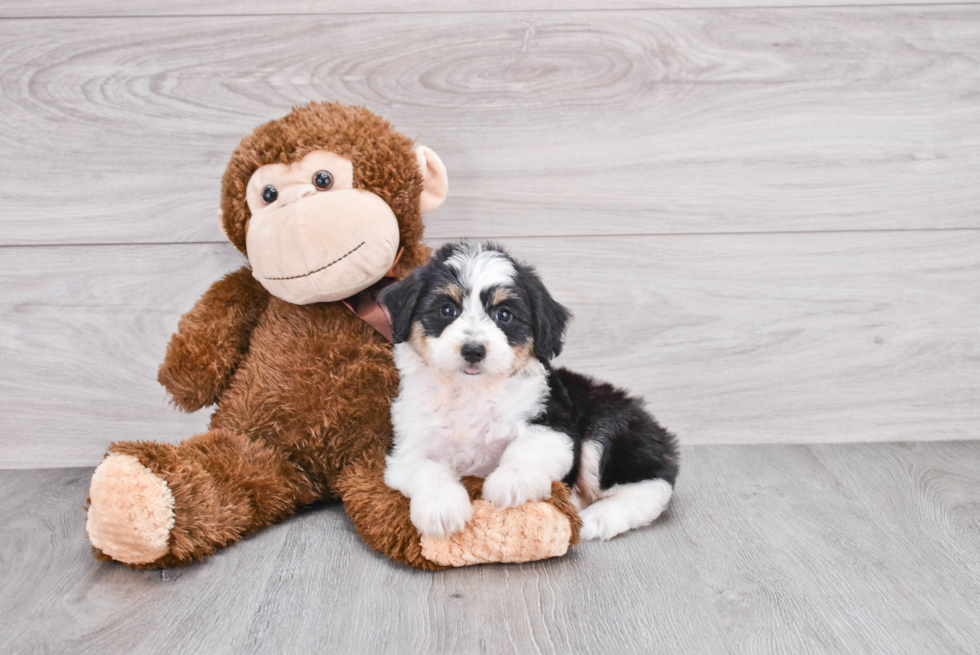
211	340
303	391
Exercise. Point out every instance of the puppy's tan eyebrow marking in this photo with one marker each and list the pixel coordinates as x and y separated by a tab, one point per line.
502	294
454	291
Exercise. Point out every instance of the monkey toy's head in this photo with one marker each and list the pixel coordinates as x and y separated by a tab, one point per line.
323	200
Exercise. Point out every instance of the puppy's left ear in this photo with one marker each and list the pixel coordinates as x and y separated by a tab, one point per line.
400	299
548	317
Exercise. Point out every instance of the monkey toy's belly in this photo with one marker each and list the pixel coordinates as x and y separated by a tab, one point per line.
317	381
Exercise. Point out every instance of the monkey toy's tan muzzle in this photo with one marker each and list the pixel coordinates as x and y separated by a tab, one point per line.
322	247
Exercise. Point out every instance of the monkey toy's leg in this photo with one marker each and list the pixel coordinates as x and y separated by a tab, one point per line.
534	531
157	505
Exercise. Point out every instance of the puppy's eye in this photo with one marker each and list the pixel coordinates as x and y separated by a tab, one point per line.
269	194
322	180
448	310
503	315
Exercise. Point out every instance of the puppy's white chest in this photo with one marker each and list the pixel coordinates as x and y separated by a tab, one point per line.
468	426
475	430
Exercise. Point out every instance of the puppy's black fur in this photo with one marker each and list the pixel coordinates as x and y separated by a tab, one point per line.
634	446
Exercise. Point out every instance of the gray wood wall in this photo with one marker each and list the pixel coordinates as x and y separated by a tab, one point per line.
766	220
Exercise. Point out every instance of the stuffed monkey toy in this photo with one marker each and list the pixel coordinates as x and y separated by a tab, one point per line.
324	203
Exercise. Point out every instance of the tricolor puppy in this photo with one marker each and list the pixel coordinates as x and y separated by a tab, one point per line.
474	331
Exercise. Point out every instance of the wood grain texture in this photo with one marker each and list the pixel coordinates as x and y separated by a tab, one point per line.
766	549
117	130
799	562
941	516
732	339
95	8
81	344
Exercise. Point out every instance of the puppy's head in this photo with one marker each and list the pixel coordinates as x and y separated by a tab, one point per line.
475	311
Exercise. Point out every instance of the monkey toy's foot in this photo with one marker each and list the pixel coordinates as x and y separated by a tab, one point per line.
156	505
533	531
131	511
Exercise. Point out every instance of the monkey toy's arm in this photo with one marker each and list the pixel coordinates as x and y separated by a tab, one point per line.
211	339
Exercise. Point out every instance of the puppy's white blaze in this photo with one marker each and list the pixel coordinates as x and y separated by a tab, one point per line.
623	507
587	484
480	269
472	326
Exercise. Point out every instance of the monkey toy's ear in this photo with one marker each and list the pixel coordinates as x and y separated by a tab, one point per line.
435	182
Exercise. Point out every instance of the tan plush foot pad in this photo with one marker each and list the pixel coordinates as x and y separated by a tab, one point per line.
522	534
131	511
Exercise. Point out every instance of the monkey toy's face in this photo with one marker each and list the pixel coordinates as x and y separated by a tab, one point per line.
327	199
312	236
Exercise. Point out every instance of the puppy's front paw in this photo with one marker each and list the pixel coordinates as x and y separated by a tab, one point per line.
510	486
443	511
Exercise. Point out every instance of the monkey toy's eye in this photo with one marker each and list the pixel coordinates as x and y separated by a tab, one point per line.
322	180
269	194
448	310
503	315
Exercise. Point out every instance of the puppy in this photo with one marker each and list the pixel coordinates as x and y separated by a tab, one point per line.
474	333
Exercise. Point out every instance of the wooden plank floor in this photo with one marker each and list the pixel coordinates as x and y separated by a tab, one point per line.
847	548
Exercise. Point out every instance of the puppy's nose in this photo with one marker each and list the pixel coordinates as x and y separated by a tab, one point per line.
473	352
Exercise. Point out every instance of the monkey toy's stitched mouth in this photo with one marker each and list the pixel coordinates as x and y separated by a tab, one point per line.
295	277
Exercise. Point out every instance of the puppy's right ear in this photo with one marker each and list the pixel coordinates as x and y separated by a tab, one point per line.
400	299
549	318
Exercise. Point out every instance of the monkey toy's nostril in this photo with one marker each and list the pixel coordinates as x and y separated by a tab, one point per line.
474	353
